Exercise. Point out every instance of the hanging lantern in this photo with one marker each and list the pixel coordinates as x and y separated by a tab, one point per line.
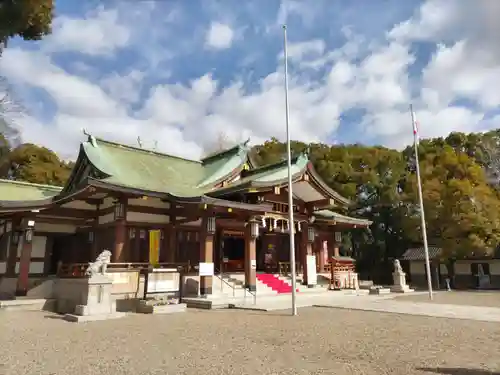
28	235
311	234
338	237
119	211
211	225
254	228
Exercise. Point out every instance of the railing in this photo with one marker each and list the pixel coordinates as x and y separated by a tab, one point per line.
254	294
78	269
222	281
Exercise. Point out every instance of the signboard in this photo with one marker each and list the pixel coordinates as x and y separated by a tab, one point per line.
206	269
154	247
312	277
162	286
253	264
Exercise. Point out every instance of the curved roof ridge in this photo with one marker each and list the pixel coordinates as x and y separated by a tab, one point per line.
25	183
135	148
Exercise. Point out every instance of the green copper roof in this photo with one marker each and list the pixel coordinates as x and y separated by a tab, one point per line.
25	191
331	215
149	170
270	175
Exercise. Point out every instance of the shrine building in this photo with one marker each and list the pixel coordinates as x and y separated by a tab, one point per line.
150	208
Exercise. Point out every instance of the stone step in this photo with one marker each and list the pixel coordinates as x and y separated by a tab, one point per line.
28	304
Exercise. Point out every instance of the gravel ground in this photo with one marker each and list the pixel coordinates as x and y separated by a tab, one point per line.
470	298
318	341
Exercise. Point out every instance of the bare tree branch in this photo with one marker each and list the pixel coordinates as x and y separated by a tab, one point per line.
10	111
221	143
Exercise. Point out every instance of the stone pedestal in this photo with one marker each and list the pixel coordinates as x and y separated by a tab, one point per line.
400	285
96	301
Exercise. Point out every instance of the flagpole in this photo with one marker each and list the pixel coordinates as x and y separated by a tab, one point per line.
421	200
291	224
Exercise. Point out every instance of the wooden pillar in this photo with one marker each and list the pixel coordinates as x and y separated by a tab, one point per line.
4	242
250	256
306	249
94	245
25	260
322	252
171	248
14	240
120	230
206	255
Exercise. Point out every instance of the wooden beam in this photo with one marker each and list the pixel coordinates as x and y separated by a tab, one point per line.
319	204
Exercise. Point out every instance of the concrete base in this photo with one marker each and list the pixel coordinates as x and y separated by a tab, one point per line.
92	318
148	308
379	291
28	304
401	289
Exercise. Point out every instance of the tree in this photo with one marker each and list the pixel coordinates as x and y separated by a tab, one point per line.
29	19
36	164
462	210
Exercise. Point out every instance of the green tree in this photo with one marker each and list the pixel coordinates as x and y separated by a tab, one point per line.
36	164
29	19
462	210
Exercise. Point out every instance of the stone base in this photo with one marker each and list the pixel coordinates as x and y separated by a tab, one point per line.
401	289
148	308
379	291
92	318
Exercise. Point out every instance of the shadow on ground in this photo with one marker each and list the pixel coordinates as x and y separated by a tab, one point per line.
458	371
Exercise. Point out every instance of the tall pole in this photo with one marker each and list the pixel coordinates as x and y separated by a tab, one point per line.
291	224
421	200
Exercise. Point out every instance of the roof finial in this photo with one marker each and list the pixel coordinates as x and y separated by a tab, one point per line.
139	142
90	138
246	142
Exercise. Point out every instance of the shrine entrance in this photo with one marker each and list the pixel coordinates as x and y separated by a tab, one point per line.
233	251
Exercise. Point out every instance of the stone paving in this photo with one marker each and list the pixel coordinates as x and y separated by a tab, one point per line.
317	341
392	303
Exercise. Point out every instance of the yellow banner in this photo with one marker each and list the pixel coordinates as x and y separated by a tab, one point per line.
154	247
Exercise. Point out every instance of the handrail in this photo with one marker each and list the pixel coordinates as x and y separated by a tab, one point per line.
254	294
222	281
247	289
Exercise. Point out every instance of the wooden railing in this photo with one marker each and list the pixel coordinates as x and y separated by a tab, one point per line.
78	269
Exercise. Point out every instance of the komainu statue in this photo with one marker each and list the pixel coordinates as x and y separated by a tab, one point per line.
397	266
100	265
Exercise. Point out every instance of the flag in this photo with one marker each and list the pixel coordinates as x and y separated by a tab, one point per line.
415	126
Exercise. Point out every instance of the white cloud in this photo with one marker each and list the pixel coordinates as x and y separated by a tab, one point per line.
97	33
372	76
219	36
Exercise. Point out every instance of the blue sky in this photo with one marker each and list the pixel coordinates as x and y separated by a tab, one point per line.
186	74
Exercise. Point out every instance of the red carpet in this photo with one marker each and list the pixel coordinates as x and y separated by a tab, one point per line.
274	283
